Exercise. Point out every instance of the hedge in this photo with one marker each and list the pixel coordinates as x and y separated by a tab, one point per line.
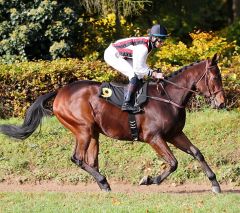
22	83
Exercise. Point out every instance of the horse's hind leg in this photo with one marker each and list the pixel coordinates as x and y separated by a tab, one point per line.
91	157
86	156
73	109
182	142
163	150
86	150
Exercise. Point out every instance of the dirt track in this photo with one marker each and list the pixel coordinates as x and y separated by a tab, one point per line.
116	187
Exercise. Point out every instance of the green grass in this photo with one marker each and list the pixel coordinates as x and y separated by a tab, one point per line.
46	154
118	202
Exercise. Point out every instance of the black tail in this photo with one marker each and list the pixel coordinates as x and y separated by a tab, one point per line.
33	118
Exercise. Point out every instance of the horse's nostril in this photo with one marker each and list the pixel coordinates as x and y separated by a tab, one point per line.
221	106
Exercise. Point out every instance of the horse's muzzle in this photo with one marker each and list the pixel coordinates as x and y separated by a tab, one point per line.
215	105
218	102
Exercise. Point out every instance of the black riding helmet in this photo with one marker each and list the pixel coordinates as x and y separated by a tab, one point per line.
158	31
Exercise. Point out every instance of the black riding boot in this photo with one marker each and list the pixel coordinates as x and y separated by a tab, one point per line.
128	102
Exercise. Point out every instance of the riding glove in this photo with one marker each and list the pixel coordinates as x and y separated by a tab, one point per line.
157	75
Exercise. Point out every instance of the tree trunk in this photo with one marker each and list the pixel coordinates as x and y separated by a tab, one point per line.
234	10
118	32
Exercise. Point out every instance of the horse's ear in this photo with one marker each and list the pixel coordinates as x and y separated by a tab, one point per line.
215	59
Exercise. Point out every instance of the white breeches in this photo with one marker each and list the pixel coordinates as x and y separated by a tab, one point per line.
125	66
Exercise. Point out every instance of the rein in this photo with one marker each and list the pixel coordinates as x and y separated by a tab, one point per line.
170	82
181	87
190	90
169	101
166	101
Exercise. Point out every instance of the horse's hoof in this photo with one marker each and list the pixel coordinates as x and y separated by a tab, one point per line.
144	181
106	190
216	189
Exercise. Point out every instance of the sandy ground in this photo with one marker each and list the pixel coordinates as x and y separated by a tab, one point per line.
116	187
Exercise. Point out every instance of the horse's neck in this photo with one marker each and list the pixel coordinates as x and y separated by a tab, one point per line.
186	79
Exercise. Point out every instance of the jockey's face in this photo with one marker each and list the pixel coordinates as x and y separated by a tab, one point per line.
158	41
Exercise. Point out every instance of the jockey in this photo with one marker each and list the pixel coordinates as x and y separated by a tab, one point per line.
129	56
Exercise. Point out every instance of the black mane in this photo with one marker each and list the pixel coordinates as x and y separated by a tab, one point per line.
171	75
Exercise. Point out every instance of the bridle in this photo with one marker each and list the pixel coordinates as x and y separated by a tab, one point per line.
205	75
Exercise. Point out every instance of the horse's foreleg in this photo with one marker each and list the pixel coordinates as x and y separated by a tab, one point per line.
182	142
86	157
163	150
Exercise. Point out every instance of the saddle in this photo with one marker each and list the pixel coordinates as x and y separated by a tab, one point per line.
114	94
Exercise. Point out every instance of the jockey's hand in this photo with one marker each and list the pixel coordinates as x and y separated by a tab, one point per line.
157	75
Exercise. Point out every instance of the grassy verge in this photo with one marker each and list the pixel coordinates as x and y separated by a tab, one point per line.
117	202
46	154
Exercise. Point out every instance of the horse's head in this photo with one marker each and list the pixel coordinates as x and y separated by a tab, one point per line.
210	83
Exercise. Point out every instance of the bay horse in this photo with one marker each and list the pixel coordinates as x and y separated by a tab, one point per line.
80	109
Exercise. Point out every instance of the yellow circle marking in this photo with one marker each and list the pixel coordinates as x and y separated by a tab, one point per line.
106	92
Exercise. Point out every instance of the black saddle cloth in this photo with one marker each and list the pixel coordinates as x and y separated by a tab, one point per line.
114	93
